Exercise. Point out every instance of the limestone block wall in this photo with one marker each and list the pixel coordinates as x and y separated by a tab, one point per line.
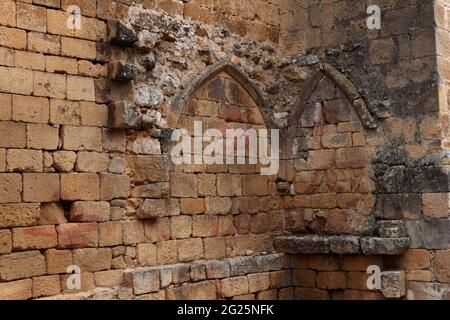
87	178
400	71
80	188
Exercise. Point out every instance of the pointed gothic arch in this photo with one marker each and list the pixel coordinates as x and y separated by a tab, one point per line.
207	74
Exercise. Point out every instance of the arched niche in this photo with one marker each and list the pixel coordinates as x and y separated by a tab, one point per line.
225	67
228	200
332	188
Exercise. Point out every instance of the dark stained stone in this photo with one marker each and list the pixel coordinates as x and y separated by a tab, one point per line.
384	246
398	206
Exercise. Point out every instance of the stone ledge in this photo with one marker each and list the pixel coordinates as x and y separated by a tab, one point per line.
94	294
315	244
145	280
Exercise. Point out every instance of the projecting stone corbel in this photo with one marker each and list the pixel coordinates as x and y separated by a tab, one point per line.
120	34
122	71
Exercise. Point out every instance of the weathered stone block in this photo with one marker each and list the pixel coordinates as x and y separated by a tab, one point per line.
58	260
31	238
393	284
148	168
216	269
133	232
167	252
215	205
154	208
121	34
142	280
158	230
5	241
122	116
181	273
331	280
21	265
429	233
11	184
255	186
414	259
109	279
46	286
41	187
80	186
181	227
215	248
81	138
16	290
77	235
146	254
392	229
231	287
52	213
243	265
114	186
398	206
24	160
303	244
192	206
190	249
91	162
183	185
155	191
64	161
258	282
435	205
110	234
92	260
345	245
122	71
19	215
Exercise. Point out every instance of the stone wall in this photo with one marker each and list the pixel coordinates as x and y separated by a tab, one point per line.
87	177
